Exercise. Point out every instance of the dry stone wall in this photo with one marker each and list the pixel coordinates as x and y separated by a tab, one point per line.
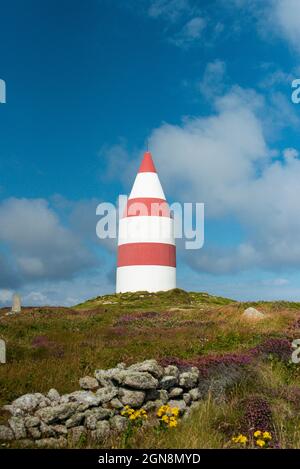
94	411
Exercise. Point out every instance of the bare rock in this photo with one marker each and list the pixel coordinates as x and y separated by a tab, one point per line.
82	397
46	430
195	394
53	395
6	433
18	427
150	366
93	416
60	429
88	382
153	405
132	398
179	404
175	392
31	421
171	370
102	431
139	380
163	395
189	379
119	423
76	435
187	398
14	411
44	403
34	433
57	413
28	402
115	403
75	420
54	443
252	313
107	377
107	393
121	366
152	395
168	382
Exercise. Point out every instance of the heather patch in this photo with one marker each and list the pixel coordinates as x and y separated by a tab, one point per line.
44	346
257	414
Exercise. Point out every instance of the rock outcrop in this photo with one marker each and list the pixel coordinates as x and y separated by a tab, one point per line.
252	313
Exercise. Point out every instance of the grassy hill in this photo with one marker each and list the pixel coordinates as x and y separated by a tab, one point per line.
55	346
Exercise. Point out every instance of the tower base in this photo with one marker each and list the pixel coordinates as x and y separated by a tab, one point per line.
151	278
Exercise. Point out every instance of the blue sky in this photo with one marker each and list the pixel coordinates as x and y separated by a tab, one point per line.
208	83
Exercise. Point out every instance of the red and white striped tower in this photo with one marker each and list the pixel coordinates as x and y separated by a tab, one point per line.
146	245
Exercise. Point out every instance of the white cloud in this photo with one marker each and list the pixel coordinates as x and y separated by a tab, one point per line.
289	153
37	244
115	159
35	297
190	33
5	296
212	83
279	18
224	160
213	153
275	78
170	9
285	15
276	282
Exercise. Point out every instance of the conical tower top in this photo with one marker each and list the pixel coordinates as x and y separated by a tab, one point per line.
147	165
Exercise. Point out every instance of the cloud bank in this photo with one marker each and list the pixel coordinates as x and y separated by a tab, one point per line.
225	161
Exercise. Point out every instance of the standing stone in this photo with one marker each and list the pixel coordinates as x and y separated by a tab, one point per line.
2	351
16	303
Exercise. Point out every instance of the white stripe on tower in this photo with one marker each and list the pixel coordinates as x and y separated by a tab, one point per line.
146	246
147	185
145	229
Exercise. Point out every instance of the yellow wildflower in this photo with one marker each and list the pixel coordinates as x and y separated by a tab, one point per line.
257	433
173	423
267	436
240	439
260	443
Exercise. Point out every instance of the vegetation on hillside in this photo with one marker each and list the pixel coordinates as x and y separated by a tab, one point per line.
53	347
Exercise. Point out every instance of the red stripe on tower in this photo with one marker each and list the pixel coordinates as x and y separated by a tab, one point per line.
147	254
147	206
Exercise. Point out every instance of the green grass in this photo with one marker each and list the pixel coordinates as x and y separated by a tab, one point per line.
135	326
